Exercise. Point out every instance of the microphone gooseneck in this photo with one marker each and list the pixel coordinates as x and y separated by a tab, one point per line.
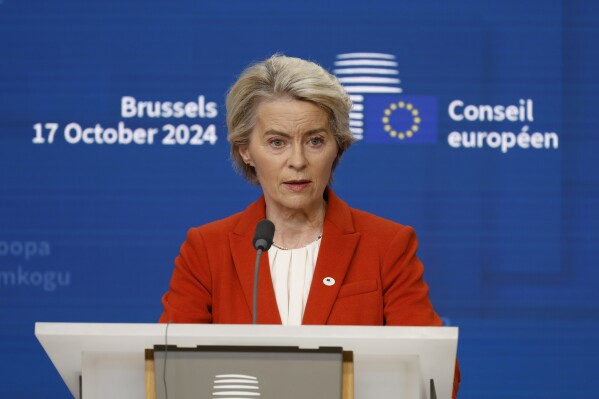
263	237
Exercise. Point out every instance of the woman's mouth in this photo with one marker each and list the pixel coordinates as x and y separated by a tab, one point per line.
297	185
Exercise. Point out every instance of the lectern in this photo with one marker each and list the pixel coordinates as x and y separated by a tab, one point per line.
108	361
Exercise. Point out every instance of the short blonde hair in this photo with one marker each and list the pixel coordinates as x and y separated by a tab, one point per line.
281	76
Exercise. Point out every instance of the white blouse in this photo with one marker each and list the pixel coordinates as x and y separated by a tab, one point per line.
292	271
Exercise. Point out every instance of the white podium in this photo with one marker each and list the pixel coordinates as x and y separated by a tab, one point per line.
389	362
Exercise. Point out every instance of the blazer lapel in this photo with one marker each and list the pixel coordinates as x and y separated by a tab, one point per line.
244	258
339	241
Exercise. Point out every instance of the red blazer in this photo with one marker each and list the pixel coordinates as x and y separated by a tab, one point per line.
378	278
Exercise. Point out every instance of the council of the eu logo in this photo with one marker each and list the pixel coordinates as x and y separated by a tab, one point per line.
381	113
400	119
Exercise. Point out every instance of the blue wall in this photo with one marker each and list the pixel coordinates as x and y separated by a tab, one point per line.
508	231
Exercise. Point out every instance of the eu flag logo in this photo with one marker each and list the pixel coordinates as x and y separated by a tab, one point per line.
400	119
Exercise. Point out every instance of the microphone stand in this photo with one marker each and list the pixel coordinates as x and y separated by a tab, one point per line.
255	295
265	231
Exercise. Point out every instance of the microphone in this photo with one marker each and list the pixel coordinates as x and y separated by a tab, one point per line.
263	237
265	232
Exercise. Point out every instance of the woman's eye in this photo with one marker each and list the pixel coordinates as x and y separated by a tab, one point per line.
276	143
316	141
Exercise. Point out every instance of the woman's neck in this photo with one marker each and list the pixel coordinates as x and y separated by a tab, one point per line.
296	228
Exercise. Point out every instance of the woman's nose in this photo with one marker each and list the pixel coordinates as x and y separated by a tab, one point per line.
297	159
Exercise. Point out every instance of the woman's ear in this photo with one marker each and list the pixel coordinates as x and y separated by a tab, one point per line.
245	155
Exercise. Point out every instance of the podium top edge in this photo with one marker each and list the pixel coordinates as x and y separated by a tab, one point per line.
158	330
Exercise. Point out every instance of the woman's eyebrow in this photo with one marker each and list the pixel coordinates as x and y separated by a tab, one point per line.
276	132
307	133
313	131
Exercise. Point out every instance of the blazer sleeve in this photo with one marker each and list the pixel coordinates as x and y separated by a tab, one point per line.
405	294
189	298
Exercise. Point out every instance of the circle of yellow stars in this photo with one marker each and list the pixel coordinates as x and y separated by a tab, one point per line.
402	134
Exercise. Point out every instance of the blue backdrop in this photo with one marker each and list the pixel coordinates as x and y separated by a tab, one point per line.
482	136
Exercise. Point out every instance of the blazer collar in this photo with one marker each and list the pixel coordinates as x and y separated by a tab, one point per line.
339	241
244	258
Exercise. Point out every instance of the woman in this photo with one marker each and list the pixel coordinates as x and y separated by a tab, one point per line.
288	122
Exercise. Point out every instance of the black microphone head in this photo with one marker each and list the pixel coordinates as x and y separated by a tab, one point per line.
265	232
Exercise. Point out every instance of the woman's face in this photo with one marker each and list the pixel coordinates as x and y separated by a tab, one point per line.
292	150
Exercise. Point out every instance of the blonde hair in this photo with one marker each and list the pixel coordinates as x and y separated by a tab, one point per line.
281	76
